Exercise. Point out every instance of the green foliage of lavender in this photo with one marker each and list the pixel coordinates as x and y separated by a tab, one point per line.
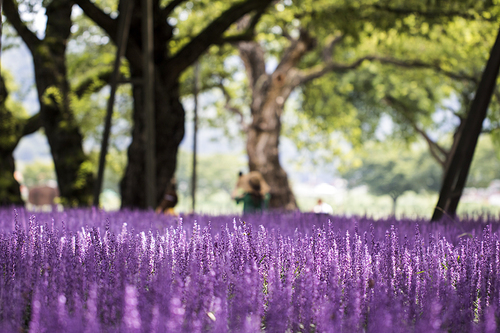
132	271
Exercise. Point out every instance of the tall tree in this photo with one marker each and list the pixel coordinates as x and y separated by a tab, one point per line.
309	40
173	53
74	175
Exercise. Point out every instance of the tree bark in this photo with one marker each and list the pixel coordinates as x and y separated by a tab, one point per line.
269	93
456	174
169	123
263	137
263	148
74	174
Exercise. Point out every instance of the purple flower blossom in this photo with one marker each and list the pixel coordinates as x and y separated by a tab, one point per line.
131	271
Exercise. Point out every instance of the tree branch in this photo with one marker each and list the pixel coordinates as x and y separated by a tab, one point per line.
100	18
246	24
434	147
420	64
235	39
213	32
295	51
328	50
32	125
324	68
110	26
253	57
247	27
320	70
97	82
401	12
11	11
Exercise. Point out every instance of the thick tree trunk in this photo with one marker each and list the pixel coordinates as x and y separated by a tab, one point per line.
169	115
263	139
10	193
74	173
73	170
269	94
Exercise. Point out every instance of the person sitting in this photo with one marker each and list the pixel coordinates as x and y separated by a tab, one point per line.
322	208
253	191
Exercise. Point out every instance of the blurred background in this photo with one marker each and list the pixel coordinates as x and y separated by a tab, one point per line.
358	103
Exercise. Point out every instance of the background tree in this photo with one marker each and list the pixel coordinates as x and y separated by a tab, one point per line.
365	91
74	174
89	56
430	103
309	40
174	51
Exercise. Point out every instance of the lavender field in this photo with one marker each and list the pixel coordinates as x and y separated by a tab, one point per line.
132	271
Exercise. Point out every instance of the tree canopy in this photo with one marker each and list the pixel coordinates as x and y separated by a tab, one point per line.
352	64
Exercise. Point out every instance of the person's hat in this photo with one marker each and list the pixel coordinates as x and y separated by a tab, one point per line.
244	182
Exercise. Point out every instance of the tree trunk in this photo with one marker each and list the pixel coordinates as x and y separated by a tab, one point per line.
169	115
169	112
10	193
73	170
456	174
269	94
263	138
